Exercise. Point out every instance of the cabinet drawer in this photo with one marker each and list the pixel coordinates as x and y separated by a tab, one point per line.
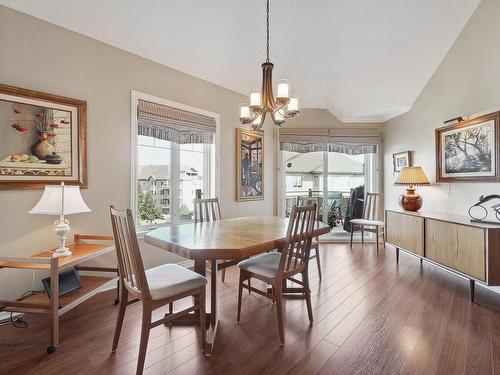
405	231
457	246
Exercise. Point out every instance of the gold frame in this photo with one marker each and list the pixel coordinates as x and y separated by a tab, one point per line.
81	107
252	133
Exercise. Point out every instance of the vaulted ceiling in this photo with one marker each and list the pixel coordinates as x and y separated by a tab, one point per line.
363	60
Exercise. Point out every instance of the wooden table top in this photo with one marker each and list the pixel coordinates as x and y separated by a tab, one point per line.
227	239
81	252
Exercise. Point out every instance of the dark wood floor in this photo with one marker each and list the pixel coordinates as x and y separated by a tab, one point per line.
371	316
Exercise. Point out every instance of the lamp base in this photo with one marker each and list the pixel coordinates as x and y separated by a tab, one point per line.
61	228
62	252
410	201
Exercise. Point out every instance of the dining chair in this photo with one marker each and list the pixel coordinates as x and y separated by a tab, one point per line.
372	220
275	268
309	201
209	210
154	287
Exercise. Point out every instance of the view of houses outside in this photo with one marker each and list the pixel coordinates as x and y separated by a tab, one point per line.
154	180
305	175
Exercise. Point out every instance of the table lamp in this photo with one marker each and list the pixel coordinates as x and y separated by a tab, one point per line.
60	200
411	176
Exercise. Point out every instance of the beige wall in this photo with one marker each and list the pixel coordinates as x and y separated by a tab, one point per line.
104	76
466	82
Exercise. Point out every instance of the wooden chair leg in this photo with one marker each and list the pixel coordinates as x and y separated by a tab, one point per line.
279	313
362	235
352	232
377	238
145	328
240	293
383	236
121	314
307	291
170	307
203	328
318	261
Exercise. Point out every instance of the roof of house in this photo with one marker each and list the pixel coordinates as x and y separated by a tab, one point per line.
312	162
160	172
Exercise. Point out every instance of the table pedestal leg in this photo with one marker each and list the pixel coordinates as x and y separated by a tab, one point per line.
211	317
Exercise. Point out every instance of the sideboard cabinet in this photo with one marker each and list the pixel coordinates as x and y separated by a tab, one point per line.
454	242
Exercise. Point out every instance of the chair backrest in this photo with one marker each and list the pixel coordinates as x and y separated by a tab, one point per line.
130	264
309	201
374	206
295	252
206	210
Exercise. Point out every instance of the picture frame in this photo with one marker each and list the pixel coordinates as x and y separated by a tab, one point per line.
401	159
469	150
250	165
43	139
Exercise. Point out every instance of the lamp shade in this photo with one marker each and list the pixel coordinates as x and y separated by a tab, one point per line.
60	200
412	176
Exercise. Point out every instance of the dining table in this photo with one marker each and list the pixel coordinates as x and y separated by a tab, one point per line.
231	240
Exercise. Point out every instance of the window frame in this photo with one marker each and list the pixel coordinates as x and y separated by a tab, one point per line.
213	163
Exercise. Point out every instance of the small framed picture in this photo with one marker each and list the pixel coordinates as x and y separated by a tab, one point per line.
468	150
401	159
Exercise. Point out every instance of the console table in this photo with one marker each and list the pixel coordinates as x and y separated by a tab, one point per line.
467	248
83	248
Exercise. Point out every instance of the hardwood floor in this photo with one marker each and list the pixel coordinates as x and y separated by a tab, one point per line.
370	316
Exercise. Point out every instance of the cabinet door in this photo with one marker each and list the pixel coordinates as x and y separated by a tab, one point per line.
457	246
405	231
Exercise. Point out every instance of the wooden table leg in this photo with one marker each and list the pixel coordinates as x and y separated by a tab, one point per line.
214	322
211	317
54	306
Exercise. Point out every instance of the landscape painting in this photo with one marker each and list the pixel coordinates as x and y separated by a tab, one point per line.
250	165
468	150
42	139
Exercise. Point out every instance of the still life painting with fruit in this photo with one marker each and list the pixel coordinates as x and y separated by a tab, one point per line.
39	139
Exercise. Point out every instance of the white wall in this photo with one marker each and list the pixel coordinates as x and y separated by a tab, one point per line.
466	82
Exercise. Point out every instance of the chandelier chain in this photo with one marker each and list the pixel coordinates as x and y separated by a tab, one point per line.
267	31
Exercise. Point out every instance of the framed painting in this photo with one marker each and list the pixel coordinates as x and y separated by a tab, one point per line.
401	160
42	139
250	165
468	150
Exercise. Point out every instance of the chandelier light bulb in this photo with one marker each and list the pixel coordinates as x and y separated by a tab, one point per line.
279	116
255	100
257	120
293	105
283	94
244	112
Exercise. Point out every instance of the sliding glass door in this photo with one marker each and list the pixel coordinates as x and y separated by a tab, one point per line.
339	179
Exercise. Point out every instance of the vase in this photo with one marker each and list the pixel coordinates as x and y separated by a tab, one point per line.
42	148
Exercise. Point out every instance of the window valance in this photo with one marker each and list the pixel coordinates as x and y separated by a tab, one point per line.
346	141
354	141
173	124
303	140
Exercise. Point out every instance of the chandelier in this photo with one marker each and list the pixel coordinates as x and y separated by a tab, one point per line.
263	102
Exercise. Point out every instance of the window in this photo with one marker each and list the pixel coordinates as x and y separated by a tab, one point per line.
168	175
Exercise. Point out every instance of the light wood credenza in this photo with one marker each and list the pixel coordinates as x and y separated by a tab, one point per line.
454	242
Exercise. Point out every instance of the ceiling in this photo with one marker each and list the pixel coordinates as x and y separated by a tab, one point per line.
363	60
